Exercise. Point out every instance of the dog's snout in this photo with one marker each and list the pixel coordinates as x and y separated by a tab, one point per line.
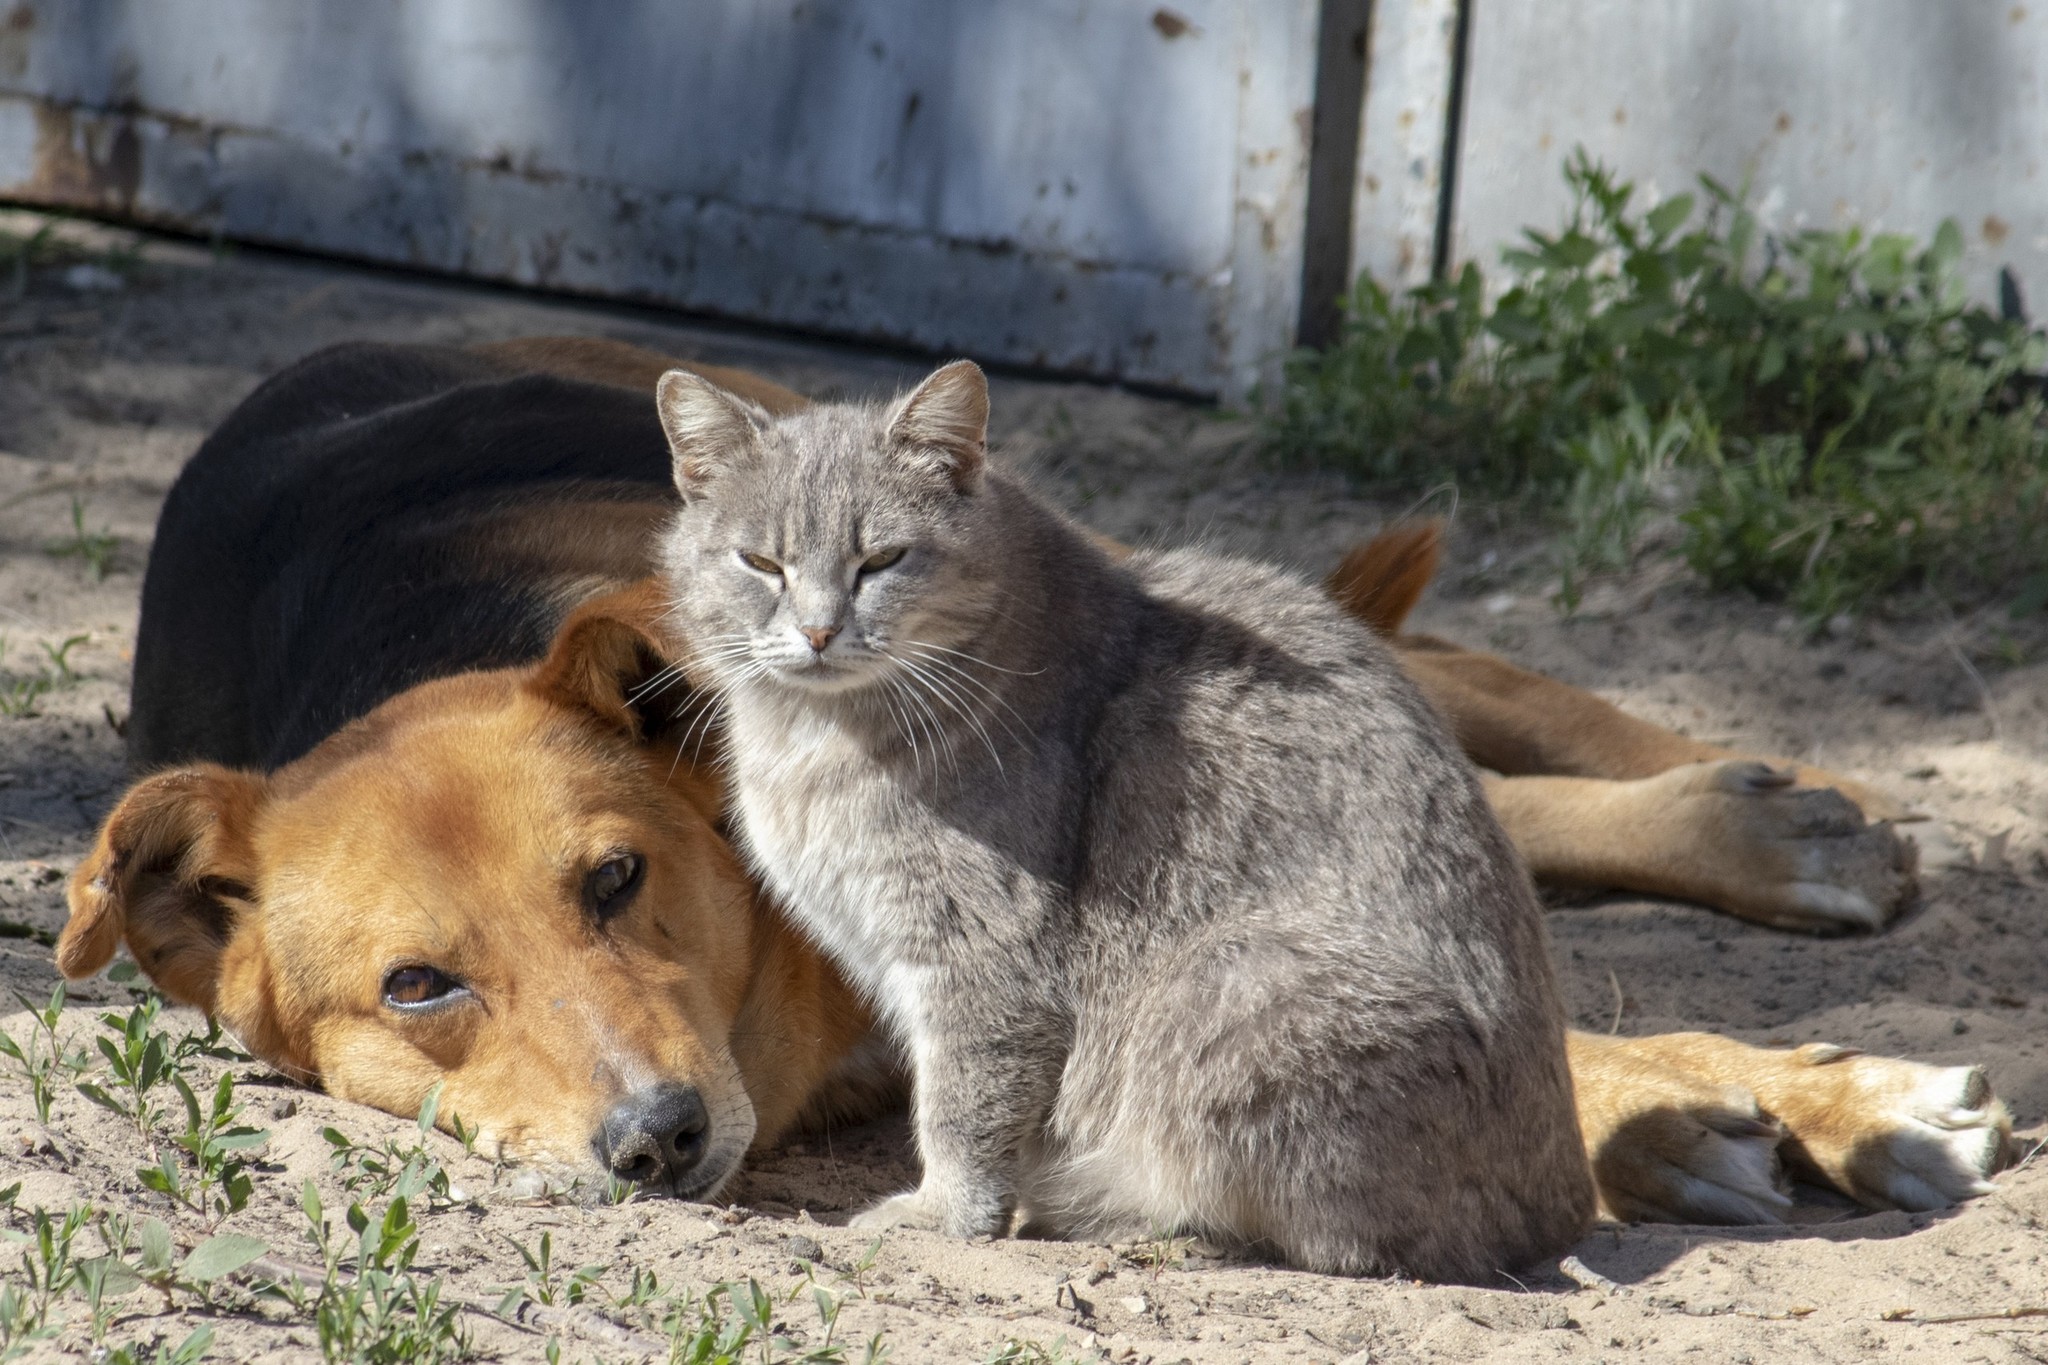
819	636
655	1134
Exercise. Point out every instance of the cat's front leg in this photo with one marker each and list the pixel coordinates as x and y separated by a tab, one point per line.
984	1080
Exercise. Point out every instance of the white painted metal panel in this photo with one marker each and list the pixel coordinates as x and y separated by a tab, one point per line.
1890	113
1401	141
1090	185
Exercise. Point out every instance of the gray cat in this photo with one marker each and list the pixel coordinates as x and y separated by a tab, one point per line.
1185	909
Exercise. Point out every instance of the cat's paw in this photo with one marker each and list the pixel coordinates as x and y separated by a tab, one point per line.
921	1208
1898	1134
1757	845
907	1210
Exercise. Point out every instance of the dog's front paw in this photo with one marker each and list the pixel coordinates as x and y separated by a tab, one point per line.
1897	1134
1794	857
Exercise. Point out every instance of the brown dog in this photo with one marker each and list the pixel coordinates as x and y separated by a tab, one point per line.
511	881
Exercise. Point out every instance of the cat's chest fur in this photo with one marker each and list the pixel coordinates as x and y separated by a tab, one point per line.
834	838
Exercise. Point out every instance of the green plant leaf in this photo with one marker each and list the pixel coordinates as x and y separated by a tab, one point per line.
154	1241
1670	215
2032	596
221	1254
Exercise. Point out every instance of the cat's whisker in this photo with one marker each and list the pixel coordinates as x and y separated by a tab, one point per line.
967	701
930	683
936	728
973	659
956	671
903	729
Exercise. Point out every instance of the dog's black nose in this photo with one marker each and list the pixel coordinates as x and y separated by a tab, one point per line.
655	1134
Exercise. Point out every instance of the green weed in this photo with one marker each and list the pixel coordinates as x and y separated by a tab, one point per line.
219	1183
20	693
42	1058
370	1306
190	1351
93	549
406	1170
1827	416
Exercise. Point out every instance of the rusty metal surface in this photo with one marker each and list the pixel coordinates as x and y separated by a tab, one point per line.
1098	186
1401	141
1890	113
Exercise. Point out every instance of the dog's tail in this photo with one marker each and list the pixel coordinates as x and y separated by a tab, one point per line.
1380	581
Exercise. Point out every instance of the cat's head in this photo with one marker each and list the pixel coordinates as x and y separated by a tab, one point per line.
820	550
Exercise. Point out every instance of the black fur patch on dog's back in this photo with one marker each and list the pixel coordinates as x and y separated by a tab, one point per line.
373	517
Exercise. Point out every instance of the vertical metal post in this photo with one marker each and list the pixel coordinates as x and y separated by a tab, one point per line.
1341	60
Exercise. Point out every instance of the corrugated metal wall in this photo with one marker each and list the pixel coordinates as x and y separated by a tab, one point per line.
1109	187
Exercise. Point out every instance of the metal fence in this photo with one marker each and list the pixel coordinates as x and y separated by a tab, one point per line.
1165	195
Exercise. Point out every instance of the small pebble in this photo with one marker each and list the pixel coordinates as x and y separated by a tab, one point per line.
284	1108
527	1185
801	1248
91	279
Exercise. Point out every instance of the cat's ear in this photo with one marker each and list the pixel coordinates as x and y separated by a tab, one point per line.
945	421
709	430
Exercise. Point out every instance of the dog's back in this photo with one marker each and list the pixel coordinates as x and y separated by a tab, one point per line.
373	517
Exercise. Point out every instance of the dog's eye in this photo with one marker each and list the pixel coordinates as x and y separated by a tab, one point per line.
881	560
611	884
412	987
760	563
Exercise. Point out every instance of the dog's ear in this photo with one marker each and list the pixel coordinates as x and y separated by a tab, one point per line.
609	658
709	430
171	875
944	423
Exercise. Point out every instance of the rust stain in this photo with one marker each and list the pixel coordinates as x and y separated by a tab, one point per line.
1172	23
1620	116
1995	229
2018	14
88	162
1784	122
14	31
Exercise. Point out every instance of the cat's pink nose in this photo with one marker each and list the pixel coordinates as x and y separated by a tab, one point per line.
819	636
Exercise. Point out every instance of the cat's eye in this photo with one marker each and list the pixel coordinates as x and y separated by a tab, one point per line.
609	887
881	560
417	987
760	563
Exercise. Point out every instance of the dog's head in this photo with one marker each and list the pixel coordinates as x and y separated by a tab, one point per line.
509	884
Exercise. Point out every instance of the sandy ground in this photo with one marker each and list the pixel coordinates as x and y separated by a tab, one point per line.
104	392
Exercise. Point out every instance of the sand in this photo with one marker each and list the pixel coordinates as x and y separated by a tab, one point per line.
104	392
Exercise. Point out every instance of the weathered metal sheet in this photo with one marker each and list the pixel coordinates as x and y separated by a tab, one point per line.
1890	113
1099	186
1401	142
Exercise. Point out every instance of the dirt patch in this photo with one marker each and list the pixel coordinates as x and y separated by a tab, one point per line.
105	391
